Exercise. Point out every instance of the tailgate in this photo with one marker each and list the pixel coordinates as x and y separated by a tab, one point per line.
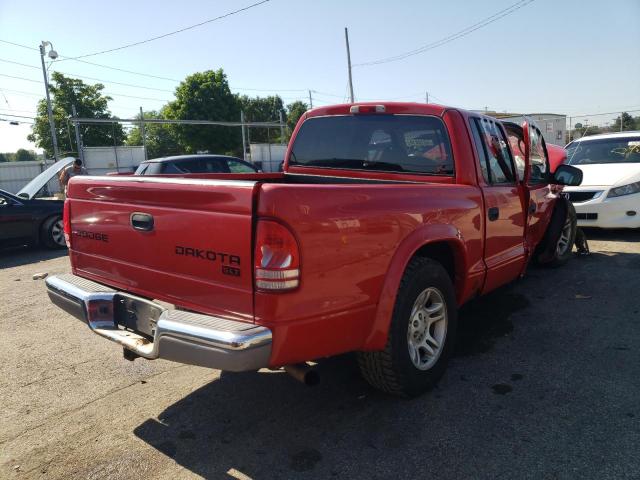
184	241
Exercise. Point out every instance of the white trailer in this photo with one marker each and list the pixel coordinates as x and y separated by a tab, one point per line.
269	155
101	160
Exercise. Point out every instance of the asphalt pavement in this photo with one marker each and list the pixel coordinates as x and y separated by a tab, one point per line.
545	384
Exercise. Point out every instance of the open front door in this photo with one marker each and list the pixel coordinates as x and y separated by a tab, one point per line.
536	183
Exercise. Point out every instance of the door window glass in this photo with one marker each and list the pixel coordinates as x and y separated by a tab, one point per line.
477	140
238	167
538	163
499	164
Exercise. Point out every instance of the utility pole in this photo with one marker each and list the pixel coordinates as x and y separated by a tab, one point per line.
53	55
143	132
621	113
310	100
427	96
77	129
281	127
346	37
244	140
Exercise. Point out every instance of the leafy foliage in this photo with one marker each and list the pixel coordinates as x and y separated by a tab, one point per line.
90	102
161	139
21	155
628	122
294	111
262	110
205	96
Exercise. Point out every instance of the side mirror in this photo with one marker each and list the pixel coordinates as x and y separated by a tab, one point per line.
567	175
23	195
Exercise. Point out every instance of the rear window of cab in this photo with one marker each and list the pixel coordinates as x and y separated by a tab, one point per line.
390	143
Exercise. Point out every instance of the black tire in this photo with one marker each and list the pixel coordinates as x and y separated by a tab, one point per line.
51	235
392	369
564	246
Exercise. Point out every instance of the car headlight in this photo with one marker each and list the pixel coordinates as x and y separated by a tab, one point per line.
624	190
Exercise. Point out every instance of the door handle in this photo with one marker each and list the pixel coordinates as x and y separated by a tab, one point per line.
494	213
141	221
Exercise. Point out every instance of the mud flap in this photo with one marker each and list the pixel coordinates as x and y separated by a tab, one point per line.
547	248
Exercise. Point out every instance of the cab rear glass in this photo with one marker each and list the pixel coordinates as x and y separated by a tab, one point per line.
381	142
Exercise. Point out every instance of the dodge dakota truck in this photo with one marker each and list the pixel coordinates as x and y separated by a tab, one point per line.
385	220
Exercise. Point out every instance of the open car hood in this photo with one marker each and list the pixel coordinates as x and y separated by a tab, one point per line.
31	189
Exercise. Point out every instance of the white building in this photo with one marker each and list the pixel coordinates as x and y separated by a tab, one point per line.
552	125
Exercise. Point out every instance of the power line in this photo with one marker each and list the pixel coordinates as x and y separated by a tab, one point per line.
18	45
145	87
20	92
158	77
455	36
18	63
17	116
171	33
132	72
20	78
106	93
16	121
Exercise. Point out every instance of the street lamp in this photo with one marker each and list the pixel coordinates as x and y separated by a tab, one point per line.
52	55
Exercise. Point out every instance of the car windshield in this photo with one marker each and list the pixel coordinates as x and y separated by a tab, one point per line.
606	150
393	143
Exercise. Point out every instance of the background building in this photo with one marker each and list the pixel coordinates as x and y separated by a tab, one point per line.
552	125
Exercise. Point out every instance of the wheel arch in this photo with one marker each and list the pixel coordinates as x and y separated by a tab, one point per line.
40	226
442	243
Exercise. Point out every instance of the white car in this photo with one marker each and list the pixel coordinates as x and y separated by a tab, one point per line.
609	195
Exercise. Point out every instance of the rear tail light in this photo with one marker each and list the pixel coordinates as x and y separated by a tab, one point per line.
66	220
277	257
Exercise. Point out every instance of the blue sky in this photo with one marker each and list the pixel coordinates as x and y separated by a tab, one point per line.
567	56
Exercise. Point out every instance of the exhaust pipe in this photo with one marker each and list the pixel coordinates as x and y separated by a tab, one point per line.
303	373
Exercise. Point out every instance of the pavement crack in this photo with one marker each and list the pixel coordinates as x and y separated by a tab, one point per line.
84	405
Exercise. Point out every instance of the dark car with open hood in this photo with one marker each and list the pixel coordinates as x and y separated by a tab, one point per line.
30	221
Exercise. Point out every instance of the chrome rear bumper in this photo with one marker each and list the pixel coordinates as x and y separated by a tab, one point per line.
152	331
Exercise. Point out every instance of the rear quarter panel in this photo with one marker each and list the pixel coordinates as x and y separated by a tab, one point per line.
349	236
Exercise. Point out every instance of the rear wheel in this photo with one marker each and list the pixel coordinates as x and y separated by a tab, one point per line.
421	333
52	233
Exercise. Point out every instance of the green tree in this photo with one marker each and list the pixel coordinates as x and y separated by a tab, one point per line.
90	102
265	109
3	158
23	155
628	122
206	96
161	139
295	110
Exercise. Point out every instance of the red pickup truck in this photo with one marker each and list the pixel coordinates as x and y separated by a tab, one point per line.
384	221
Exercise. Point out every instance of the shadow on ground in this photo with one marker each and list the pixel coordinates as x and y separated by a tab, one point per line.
613	234
244	419
18	256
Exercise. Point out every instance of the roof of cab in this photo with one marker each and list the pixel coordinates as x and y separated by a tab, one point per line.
390	107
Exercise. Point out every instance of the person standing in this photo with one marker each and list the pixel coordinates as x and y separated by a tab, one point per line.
76	168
